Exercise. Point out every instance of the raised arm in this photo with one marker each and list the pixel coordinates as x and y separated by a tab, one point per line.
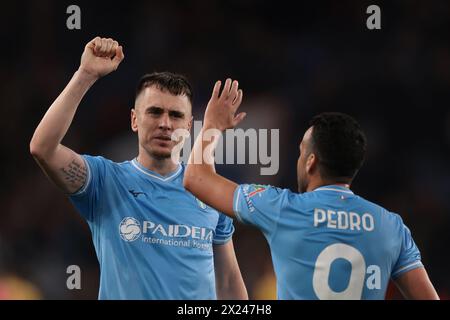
62	165
416	285
200	177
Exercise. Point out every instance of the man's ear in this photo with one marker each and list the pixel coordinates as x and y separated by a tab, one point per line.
134	126
311	163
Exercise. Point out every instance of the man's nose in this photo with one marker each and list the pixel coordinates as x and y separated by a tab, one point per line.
164	121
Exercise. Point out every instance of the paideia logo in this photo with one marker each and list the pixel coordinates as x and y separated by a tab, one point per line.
129	229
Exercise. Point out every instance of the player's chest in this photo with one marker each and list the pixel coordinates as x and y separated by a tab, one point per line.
169	204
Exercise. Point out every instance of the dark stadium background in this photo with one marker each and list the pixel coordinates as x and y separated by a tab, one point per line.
292	60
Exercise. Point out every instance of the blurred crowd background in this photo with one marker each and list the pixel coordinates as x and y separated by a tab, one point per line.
293	60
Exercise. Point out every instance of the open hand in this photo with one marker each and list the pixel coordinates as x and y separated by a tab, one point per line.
221	109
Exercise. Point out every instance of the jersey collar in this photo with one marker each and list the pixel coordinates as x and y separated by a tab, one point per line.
155	175
334	188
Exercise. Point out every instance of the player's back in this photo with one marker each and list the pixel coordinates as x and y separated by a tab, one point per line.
333	244
328	243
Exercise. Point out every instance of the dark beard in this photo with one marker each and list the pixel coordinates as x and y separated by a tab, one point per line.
159	156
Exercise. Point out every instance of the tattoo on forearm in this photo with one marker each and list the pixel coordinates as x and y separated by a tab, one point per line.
74	173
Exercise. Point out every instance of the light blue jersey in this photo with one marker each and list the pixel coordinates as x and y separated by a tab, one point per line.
328	243
153	239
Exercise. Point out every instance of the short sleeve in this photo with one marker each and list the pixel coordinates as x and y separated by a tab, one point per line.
87	197
409	257
224	229
259	205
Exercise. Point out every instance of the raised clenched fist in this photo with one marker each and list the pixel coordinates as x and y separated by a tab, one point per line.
101	56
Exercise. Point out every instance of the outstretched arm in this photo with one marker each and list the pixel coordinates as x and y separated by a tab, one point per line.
62	165
200	177
229	282
416	285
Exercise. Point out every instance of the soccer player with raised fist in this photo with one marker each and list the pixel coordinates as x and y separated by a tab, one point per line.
153	239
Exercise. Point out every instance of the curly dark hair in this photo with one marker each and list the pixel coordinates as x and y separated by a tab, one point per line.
340	145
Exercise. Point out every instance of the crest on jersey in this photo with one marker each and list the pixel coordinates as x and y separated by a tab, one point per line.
201	204
258	189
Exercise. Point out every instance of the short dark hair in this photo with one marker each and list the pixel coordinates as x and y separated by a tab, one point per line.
340	145
175	84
